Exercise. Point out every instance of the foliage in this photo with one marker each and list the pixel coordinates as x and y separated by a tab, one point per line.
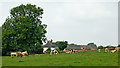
61	44
100	47
38	49
59	51
91	44
49	50
72	44
23	29
109	46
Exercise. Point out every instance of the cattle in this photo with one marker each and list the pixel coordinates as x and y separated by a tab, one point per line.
19	54
53	52
45	52
99	50
106	50
13	54
56	52
25	53
117	48
113	51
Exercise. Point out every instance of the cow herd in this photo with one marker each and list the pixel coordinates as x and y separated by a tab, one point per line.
19	54
111	50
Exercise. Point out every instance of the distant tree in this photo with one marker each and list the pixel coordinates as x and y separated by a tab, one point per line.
49	50
91	44
23	29
109	46
61	44
72	44
100	47
118	45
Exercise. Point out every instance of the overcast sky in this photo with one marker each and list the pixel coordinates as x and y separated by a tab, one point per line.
75	21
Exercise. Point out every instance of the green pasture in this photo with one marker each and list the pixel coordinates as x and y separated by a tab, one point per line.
89	58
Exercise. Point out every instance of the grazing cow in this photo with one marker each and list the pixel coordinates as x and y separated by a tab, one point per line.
99	50
53	52
45	52
113	51
106	50
19	54
25	53
117	48
13	54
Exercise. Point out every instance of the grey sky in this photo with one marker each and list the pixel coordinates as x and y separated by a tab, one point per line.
75	21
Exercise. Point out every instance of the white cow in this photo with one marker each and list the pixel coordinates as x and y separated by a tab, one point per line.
25	53
13	53
106	50
53	52
99	50
113	51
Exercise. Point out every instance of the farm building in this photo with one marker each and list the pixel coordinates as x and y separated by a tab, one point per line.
78	48
49	44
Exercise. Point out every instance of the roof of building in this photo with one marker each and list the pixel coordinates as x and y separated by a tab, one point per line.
48	44
78	47
91	46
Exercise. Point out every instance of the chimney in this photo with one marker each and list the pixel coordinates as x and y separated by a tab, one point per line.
51	41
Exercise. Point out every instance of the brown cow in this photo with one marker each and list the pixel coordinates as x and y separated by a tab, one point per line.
108	49
113	51
13	54
19	54
25	53
117	48
45	52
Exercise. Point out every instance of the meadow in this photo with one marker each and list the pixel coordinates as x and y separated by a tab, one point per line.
89	58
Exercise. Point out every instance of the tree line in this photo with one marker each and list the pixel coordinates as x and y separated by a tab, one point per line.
109	46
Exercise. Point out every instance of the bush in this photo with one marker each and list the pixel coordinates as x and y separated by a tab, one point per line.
48	50
39	49
100	47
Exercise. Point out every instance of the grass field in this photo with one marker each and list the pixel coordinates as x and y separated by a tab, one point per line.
89	58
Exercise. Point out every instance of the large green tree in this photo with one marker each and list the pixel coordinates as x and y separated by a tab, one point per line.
61	44
100	47
23	29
